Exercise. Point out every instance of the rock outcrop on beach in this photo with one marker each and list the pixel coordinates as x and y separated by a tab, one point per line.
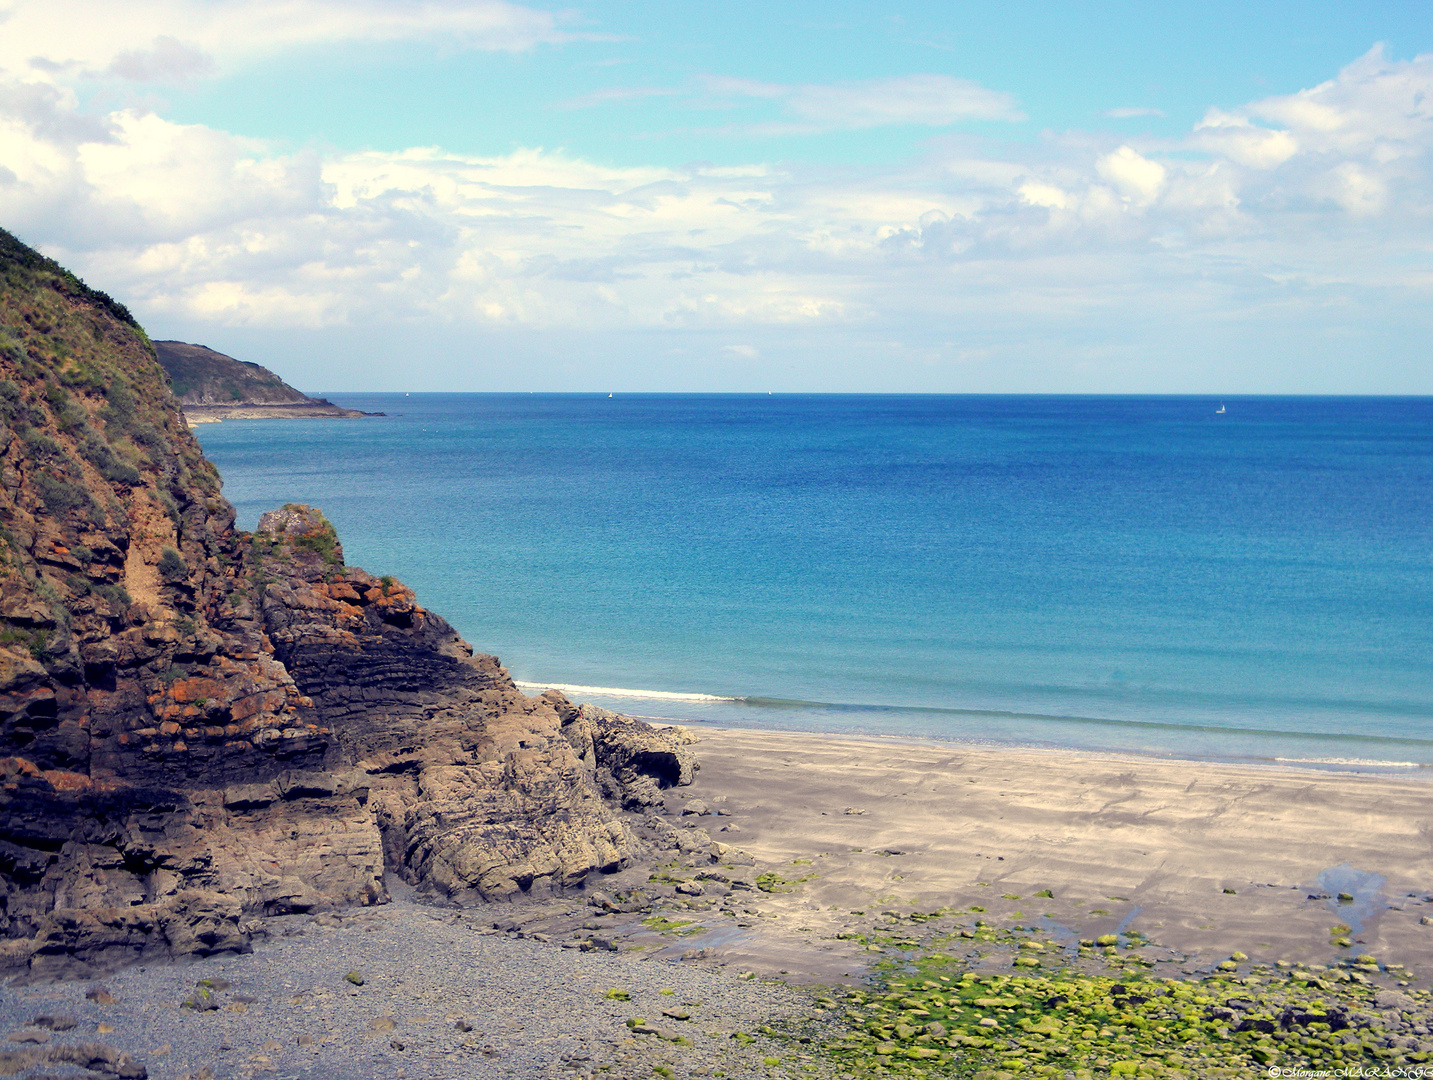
212	387
200	726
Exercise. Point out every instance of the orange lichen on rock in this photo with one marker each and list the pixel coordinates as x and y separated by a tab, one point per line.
13	768
61	780
185	691
342	590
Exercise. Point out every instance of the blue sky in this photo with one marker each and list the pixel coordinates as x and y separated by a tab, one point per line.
638	91
796	196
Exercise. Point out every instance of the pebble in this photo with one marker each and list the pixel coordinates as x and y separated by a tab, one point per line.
439	1001
56	1023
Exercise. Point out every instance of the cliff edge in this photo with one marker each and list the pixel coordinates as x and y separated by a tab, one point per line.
201	726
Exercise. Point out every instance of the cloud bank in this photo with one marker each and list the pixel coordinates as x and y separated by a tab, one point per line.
1285	224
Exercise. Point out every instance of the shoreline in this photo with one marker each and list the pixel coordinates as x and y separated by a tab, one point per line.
1335	765
1357	760
835	857
1407	770
194	415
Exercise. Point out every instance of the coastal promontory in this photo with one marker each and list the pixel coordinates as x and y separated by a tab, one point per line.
211	387
203	726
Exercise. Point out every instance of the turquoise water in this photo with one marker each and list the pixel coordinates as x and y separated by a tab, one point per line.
1120	573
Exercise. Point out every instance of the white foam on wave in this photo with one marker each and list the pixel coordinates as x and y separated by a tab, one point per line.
618	692
1349	761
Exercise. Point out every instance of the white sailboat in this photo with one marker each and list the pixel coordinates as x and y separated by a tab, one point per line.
1221	408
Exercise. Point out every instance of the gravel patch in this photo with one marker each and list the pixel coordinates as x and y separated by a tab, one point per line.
410	992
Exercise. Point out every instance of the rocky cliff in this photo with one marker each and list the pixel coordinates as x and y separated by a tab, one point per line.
201	726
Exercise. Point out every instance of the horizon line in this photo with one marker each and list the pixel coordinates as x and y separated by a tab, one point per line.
1209	395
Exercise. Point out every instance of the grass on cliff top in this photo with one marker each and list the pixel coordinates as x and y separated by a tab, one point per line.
79	380
322	540
16	254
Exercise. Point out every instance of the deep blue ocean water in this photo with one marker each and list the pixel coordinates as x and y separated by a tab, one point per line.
1126	573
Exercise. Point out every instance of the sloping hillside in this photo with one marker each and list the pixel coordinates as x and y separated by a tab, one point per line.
201	376
211	386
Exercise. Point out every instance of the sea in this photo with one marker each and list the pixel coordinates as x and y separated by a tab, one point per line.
1246	579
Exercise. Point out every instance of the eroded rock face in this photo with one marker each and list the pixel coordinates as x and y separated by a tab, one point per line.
474	787
629	761
199	726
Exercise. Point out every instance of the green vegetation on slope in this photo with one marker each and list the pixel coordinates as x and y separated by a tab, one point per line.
15	254
98	443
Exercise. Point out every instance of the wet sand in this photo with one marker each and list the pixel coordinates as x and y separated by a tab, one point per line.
1205	859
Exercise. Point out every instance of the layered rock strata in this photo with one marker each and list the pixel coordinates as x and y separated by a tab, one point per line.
200	726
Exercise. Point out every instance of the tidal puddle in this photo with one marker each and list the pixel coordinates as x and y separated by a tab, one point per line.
712	938
1124	923
1364	887
1063	936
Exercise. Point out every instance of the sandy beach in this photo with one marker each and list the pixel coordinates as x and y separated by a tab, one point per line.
1205	859
840	852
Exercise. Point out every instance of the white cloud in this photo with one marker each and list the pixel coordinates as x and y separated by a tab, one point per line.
1359	142
1373	102
730	86
1325	213
925	100
616	94
1138	178
933	100
1235	138
1355	188
170	40
1047	195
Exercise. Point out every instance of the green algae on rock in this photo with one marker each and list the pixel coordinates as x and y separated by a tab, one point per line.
930	1016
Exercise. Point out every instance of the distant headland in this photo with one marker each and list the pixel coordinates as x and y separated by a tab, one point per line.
212	387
